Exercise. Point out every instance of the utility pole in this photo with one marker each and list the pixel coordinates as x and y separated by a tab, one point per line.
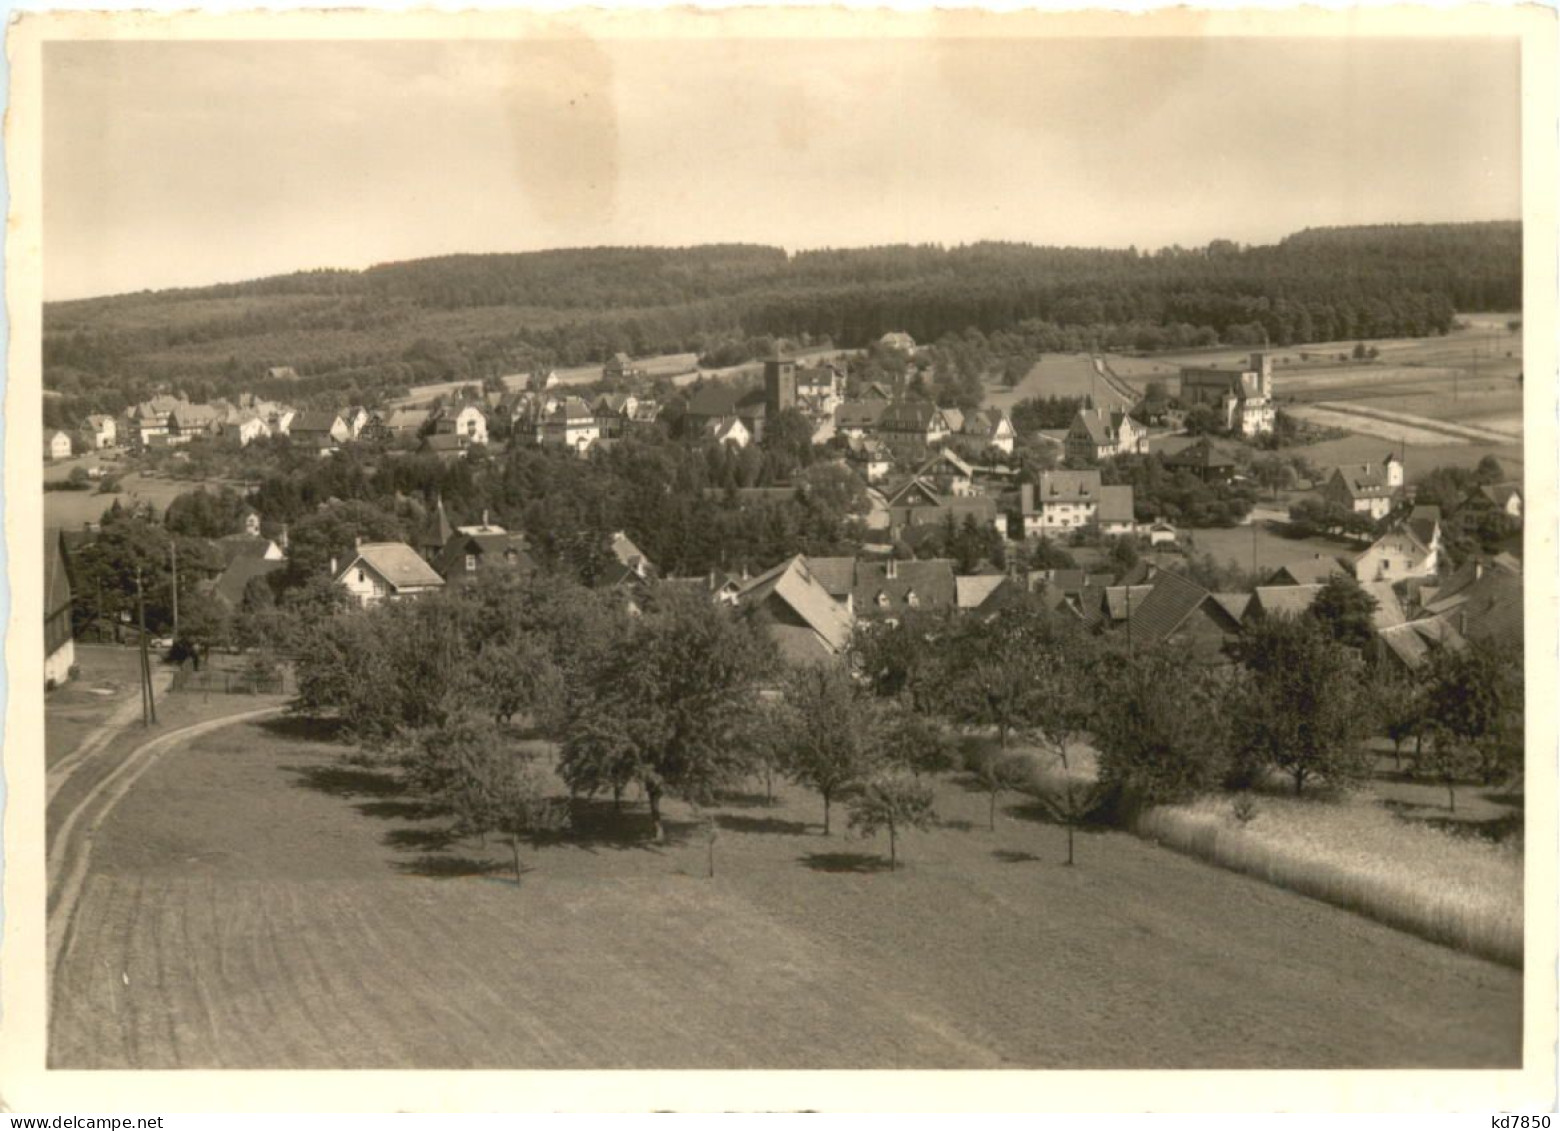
148	702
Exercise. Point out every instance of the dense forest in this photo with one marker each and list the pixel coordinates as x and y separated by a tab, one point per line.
354	335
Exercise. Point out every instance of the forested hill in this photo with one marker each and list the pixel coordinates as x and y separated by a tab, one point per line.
470	316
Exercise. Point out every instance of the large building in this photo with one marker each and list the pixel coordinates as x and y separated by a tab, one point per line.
1060	501
1366	488
59	642
1097	434
1243	398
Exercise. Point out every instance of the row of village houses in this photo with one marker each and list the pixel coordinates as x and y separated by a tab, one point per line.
811	604
880	425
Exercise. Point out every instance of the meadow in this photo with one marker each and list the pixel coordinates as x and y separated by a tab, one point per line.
256	901
1459	890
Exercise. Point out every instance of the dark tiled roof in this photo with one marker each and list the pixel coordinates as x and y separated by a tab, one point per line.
859	414
1172	599
1202	455
313	422
932	583
229	587
714	400
1116	504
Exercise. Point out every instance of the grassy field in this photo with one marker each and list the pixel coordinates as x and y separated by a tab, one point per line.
1355	853
69	509
109	677
255	902
1260	542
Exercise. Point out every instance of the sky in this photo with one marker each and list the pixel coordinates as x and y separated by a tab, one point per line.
186	163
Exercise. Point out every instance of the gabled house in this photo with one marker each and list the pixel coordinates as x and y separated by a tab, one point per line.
464	420
911	429
99	431
1182	614
898	340
59	641
1408	647
731	431
858	419
1060	500
917	502
1482	600
1209	461
987	428
820	388
356	419
1307	571
620	367
950	472
396	424
248	428
870	459
797	613
1366	488
387	571
892	587
1398	555
1098	434
467	556
318	431
1296	600
56	444
720	403
1116	514
193	421
1503	497
571	426
631	563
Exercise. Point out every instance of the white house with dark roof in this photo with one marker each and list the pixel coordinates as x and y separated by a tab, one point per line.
1096	435
1060	501
1366	488
571	425
56	444
387	571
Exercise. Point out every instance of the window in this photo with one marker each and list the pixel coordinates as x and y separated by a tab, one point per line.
361	577
471	563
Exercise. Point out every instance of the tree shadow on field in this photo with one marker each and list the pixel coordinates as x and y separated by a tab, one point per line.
300	728
773	825
595	823
428	840
855	862
1010	856
742	800
958	824
402	810
451	866
347	781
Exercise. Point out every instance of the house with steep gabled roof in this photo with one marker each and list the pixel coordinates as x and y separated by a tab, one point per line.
468	556
1397	556
59	639
572	426
807	625
387	571
858	419
1366	488
892	587
1209	461
321	431
912	428
1096	434
1060	501
1180	613
1307	571
987	428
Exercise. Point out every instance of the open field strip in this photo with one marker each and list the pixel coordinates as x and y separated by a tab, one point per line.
1374	426
123	715
70	851
1481	432
256	903
1459	891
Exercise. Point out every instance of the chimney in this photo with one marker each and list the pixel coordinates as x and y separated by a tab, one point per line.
484	516
357	543
893	568
333	570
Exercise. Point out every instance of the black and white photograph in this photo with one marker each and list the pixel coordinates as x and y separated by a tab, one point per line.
676	542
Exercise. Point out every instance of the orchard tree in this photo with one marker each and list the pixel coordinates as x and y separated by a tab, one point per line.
830	731
999	771
893	802
1162	728
1305	708
667	706
1475	715
1345	610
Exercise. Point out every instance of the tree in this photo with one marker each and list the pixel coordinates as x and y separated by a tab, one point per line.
203	625
831	733
1400	708
515	676
998	771
1162	727
893	802
1305	707
1345	611
665	707
1475	715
